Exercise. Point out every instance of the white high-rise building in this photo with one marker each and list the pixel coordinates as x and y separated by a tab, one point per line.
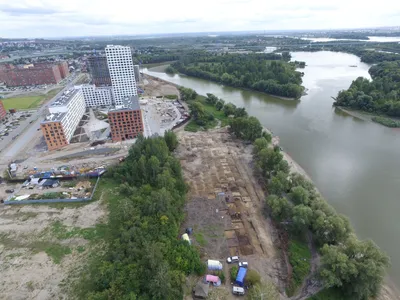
96	96
122	73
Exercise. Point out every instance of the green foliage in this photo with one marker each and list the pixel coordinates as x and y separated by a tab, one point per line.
356	267
381	95
144	257
221	275
263	291
233	272
299	259
279	184
170	70
200	238
246	128
269	73
220	104
57	252
187	94
171	139
299	195
211	99
386	122
252	277
281	208
171	97
330	294
229	109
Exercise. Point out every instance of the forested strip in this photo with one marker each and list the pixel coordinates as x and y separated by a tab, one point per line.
145	259
268	73
350	267
381	95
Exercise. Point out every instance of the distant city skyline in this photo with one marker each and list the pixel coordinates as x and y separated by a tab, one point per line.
73	18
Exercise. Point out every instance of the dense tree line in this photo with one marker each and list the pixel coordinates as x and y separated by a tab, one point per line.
354	267
268	73
381	95
145	259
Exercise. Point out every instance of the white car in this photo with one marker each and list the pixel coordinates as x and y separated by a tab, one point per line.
236	290
232	259
244	264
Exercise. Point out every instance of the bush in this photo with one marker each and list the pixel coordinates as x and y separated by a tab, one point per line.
386	122
233	272
252	277
221	275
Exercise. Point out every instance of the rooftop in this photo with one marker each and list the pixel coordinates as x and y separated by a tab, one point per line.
54	117
65	97
129	103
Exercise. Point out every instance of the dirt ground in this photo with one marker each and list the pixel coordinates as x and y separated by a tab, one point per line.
27	271
154	87
225	203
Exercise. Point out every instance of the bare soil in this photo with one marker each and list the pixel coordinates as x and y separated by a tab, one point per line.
231	223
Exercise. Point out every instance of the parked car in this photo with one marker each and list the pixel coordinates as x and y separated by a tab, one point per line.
244	264
232	259
9	191
236	290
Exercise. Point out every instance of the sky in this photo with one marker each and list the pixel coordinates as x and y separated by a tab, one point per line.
69	18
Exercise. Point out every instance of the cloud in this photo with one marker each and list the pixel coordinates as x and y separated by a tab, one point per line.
52	18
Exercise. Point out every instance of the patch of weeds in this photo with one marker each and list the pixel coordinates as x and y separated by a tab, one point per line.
57	252
27	215
30	286
62	232
80	249
13	255
200	238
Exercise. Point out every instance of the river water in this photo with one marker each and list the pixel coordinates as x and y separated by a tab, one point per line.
355	164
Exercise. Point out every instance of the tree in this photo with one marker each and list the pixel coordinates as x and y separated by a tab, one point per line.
252	277
240	112
220	104
281	209
302	217
170	70
211	99
267	159
229	109
299	195
356	267
263	291
279	184
259	144
247	129
171	139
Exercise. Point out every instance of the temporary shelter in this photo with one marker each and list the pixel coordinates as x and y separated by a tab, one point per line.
201	290
213	279
214	265
240	276
185	237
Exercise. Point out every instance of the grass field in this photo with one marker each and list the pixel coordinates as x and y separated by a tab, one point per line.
28	102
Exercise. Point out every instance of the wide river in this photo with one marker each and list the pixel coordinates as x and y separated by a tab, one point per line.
355	164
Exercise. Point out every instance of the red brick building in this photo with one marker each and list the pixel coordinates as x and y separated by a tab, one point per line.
38	74
3	111
126	121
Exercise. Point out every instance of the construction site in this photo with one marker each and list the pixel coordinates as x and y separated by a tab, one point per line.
225	203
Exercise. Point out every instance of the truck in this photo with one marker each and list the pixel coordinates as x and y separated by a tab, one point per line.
240	276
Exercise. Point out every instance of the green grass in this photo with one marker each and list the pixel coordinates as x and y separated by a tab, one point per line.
199	237
57	252
218	115
299	258
28	102
386	122
62	232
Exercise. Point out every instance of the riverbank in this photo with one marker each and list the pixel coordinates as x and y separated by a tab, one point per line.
365	116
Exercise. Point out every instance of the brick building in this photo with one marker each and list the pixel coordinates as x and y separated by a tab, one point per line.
126	120
37	74
3	111
64	117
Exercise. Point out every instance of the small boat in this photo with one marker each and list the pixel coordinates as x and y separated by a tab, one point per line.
353	66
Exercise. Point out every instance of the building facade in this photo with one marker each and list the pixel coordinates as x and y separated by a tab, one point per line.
136	68
64	116
126	120
3	111
98	69
96	96
122	73
37	74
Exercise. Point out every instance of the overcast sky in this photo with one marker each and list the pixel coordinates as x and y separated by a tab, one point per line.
56	18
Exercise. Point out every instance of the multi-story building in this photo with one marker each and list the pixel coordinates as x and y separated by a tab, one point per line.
64	116
126	120
3	111
96	96
136	68
122	73
37	74
98	69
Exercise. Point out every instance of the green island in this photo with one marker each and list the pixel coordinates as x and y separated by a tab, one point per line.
267	73
380	96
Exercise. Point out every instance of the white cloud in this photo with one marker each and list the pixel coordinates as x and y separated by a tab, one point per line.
45	18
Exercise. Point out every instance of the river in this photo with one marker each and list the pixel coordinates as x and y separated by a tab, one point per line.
355	164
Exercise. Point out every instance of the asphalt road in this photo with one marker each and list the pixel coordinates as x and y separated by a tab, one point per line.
29	130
